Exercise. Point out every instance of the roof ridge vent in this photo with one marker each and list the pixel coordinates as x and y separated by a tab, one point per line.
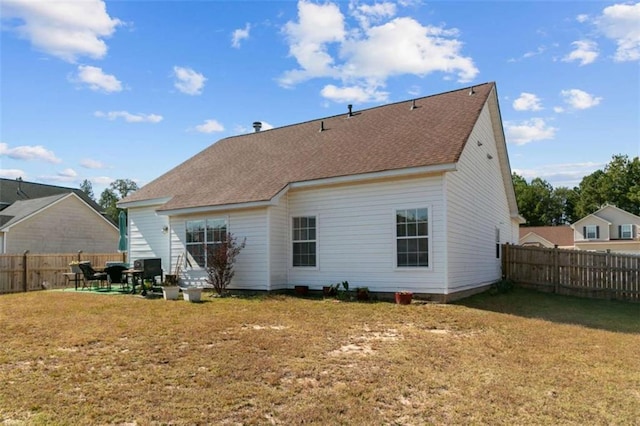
257	125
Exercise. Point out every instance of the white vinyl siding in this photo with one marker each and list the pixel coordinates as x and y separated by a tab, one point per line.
477	211
278	245
146	236
252	266
357	232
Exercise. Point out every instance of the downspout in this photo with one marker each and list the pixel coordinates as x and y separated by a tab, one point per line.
445	254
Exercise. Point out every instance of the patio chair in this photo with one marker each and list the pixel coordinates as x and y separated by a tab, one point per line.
116	275
91	275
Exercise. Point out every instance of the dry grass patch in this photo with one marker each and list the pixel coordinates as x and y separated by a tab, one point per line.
68	358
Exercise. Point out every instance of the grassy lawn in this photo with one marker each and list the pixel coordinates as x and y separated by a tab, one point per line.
522	358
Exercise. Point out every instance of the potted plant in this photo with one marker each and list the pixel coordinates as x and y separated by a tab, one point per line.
170	291
301	290
404	297
192	294
362	293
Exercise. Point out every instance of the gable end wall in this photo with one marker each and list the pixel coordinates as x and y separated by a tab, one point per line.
476	205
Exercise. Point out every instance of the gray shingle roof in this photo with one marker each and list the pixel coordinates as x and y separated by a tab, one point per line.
23	208
256	166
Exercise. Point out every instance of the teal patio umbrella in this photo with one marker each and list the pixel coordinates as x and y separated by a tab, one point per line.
122	224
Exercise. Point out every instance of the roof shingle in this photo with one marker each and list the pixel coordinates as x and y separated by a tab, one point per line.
256	166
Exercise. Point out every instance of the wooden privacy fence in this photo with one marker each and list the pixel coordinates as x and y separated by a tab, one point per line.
28	272
573	272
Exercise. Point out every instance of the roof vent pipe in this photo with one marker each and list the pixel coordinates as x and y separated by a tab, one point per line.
471	91
350	112
413	105
322	126
257	125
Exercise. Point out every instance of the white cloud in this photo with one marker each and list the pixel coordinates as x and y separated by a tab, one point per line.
128	117
12	173
528	131
189	81
564	174
527	102
97	80
368	13
240	34
88	163
586	51
68	173
366	56
579	99
621	23
66	30
582	18
102	180
353	94
210	126
29	153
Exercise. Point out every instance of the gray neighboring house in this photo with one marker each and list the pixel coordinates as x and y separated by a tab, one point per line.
52	219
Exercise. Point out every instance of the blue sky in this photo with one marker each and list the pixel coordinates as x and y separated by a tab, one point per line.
129	89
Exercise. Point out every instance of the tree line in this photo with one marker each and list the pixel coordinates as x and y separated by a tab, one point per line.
116	191
618	184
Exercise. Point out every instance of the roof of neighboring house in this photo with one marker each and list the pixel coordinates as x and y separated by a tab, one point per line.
12	190
596	214
255	167
561	235
22	209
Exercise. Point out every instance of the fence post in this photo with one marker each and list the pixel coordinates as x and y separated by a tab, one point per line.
79	253
556	270
25	287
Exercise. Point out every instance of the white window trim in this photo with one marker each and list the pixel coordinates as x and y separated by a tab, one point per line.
194	264
622	230
595	232
317	240
394	235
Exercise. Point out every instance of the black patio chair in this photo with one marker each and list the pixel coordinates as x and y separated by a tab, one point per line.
91	275
116	275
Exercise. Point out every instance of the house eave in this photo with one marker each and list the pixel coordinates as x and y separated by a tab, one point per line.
411	171
143	203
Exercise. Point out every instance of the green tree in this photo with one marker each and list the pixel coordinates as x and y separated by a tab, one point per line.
538	203
117	190
87	188
617	184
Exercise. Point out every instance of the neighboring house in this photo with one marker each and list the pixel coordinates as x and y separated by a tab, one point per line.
608	229
12	190
413	195
62	223
547	236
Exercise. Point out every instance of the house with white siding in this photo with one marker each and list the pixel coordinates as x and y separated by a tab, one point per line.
414	195
608	229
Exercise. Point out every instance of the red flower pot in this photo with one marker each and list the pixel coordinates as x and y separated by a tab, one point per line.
403	297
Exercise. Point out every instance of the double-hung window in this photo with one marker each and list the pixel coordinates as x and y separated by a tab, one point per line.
591	232
626	232
203	236
412	237
304	241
